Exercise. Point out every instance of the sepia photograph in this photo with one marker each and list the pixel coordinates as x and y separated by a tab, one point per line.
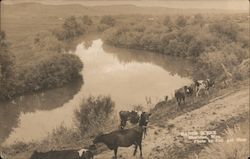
124	79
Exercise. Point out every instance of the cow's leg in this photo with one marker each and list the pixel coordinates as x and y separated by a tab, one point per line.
198	92
115	152
140	149
136	145
207	92
178	105
145	132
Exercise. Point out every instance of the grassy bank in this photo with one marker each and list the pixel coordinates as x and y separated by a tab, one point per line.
41	61
210	40
45	67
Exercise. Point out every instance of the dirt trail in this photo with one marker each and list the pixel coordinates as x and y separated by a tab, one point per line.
218	110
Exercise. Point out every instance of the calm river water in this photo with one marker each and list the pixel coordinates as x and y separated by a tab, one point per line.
129	77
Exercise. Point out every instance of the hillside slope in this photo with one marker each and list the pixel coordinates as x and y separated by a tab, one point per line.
209	117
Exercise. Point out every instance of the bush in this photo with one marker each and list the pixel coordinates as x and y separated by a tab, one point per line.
6	58
181	21
50	72
225	29
217	43
94	113
45	41
53	71
168	23
71	29
7	62
108	20
87	20
199	20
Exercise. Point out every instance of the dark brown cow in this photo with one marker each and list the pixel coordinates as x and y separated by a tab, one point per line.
126	137
182	93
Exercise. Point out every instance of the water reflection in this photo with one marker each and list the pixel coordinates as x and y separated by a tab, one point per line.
10	112
173	65
129	77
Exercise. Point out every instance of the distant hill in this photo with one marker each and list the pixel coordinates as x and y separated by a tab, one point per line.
181	4
78	10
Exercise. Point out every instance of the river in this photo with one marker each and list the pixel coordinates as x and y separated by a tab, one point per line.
128	77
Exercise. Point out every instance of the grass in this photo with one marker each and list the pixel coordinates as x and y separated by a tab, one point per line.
237	148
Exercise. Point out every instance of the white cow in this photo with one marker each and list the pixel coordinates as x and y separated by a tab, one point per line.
203	85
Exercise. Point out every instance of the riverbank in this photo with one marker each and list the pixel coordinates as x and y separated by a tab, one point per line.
221	110
216	43
187	36
221	114
42	61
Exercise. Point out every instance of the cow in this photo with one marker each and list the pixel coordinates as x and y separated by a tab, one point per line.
126	137
182	93
125	116
63	154
144	118
203	85
85	154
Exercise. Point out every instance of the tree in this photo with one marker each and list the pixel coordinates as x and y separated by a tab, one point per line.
72	28
87	20
225	29
181	21
94	113
168	23
108	20
199	19
6	58
196	47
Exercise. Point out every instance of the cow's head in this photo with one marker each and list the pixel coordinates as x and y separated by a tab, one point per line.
210	83
144	119
98	138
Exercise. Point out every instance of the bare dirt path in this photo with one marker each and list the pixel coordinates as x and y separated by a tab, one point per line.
218	110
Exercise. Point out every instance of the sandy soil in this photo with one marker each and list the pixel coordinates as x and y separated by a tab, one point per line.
219	110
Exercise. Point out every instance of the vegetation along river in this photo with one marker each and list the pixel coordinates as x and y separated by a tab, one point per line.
129	77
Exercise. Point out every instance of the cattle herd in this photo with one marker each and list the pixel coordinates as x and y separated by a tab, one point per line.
197	88
118	138
126	137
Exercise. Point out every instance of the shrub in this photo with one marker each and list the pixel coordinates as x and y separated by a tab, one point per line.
108	20
50	72
7	62
94	113
53	71
71	29
45	41
224	29
87	20
181	21
6	58
199	20
168	23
